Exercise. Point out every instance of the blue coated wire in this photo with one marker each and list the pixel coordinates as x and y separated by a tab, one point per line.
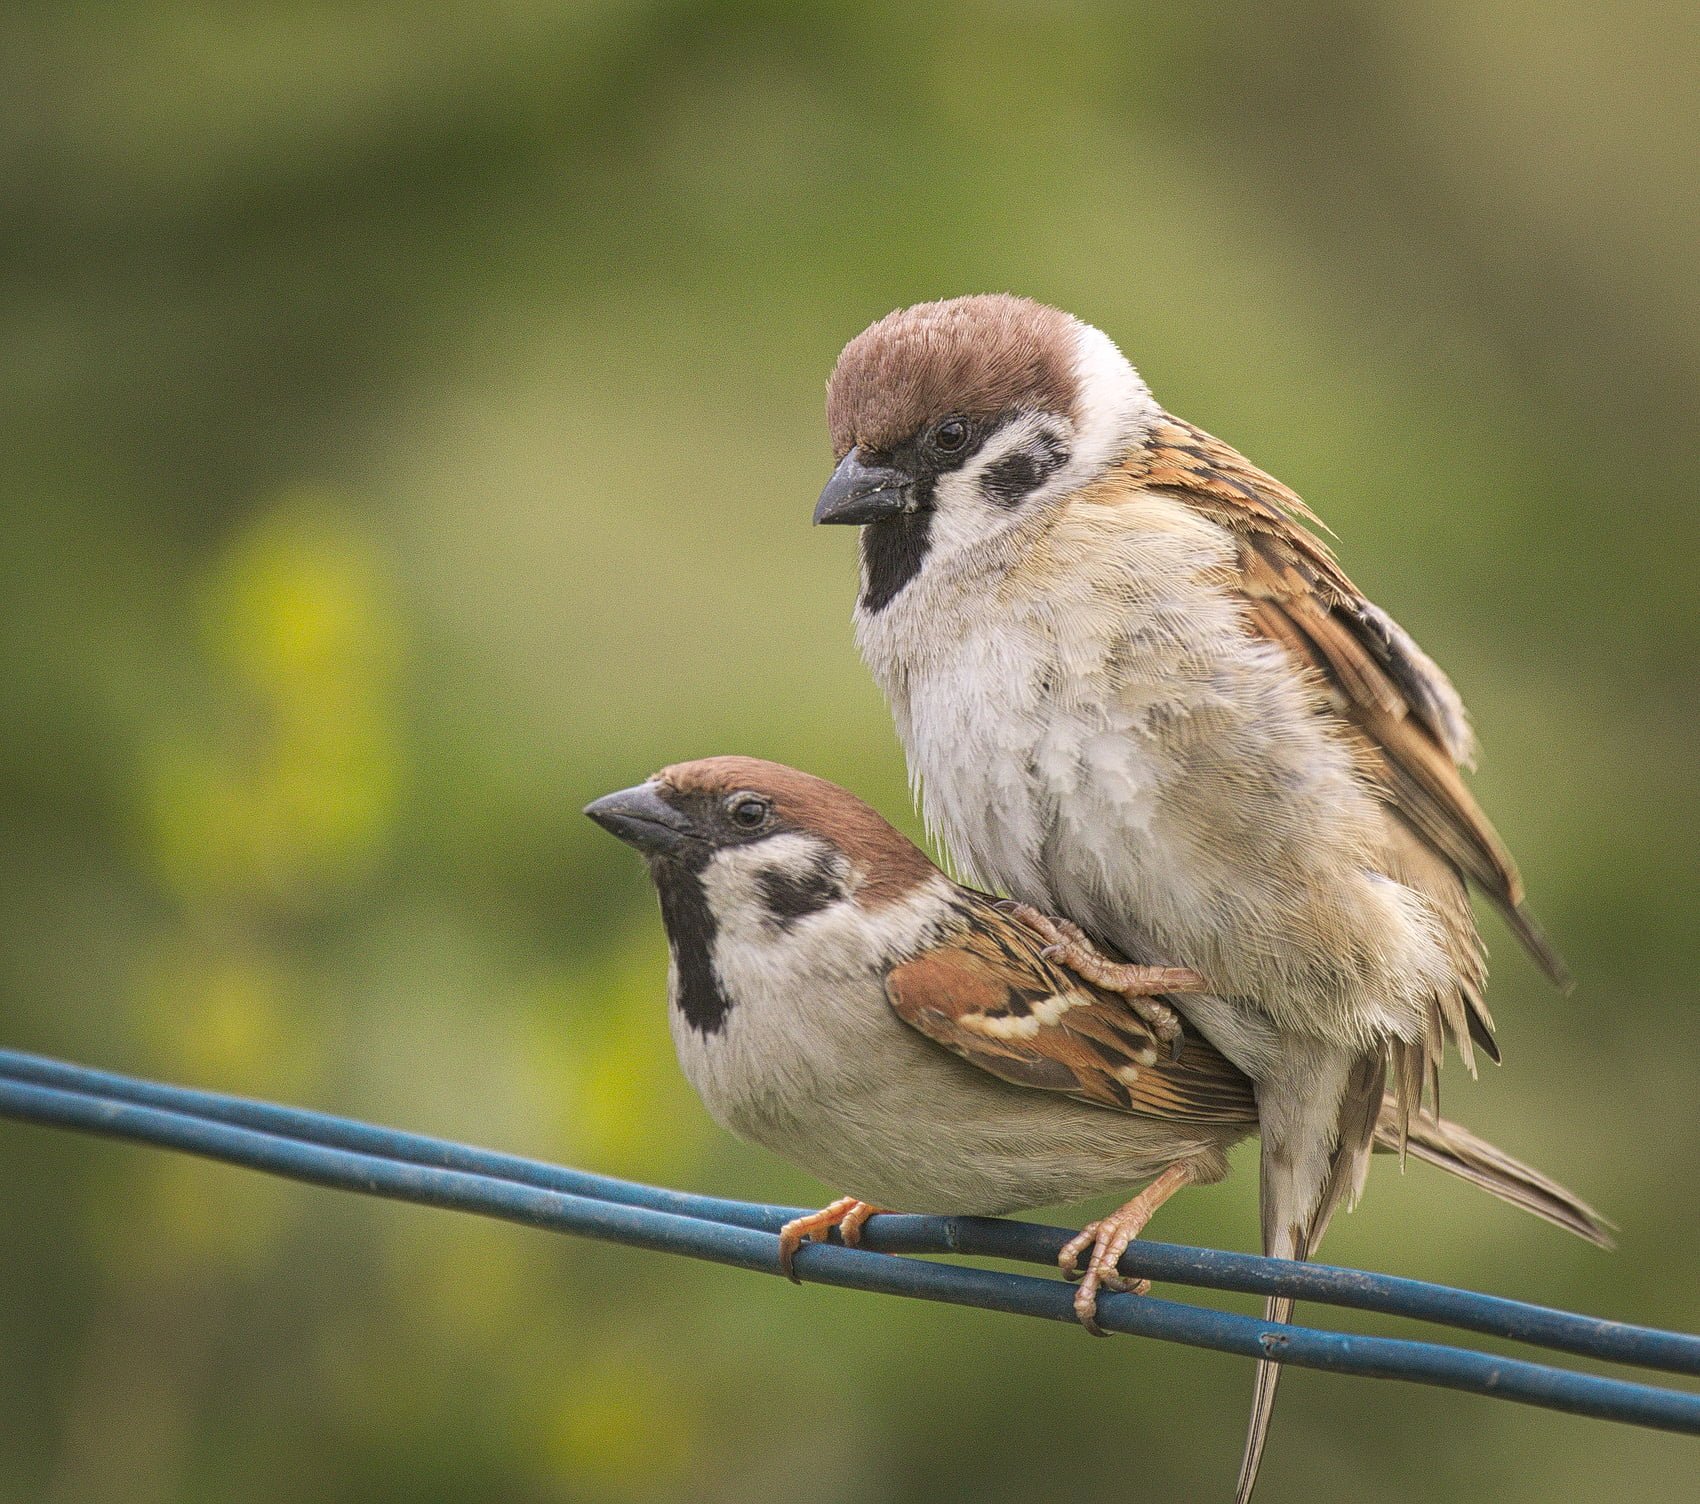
284	1153
1541	1326
756	1250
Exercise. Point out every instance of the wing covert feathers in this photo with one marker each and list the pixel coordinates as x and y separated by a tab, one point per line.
988	995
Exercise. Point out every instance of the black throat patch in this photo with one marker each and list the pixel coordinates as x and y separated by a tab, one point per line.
690	932
892	555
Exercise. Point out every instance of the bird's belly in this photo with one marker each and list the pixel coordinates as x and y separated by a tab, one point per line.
880	1113
979	1168
993	1149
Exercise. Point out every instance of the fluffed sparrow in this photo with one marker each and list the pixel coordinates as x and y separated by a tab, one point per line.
1134	689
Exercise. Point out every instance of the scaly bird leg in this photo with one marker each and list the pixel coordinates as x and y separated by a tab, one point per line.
847	1214
1108	1241
1142	986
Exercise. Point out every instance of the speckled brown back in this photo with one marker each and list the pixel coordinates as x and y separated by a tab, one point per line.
978	356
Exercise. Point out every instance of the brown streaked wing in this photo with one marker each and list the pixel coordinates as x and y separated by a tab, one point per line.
1402	709
989	996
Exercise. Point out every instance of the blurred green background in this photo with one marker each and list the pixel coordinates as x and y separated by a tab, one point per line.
411	418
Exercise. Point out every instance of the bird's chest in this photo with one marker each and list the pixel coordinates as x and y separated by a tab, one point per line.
1036	742
826	1075
808	1058
783	1069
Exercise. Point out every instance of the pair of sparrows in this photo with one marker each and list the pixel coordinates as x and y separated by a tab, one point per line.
1140	698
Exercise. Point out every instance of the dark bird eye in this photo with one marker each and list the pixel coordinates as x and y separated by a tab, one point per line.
951	434
747	811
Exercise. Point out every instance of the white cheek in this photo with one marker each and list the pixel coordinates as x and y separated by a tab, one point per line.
765	963
963	514
732	881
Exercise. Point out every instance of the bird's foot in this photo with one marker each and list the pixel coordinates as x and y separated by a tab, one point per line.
1108	1240
847	1214
1142	986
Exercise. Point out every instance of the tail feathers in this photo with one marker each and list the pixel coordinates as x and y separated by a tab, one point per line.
1282	1239
1296	1210
1278	1309
1456	1149
1361	1110
1296	1213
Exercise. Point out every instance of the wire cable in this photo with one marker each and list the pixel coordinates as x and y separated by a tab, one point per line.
362	1157
982	1237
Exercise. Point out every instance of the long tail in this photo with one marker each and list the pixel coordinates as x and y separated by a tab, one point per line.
1299	1198
1278	1308
1455	1149
1365	1121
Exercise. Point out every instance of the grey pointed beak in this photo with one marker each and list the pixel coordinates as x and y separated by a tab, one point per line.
643	819
860	493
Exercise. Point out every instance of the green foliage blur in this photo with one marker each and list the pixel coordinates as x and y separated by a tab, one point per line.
411	418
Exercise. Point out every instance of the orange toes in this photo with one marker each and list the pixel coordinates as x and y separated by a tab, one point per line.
847	1214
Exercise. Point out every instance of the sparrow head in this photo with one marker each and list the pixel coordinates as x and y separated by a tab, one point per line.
760	816
949	420
760	866
751	851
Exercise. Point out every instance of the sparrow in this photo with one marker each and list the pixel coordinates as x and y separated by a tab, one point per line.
1135	687
916	1044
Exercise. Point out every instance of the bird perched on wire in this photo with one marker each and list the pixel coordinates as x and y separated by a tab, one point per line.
1136	689
915	1043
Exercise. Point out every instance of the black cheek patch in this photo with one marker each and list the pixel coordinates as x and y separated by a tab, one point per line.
790	896
1017	475
690	931
893	552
